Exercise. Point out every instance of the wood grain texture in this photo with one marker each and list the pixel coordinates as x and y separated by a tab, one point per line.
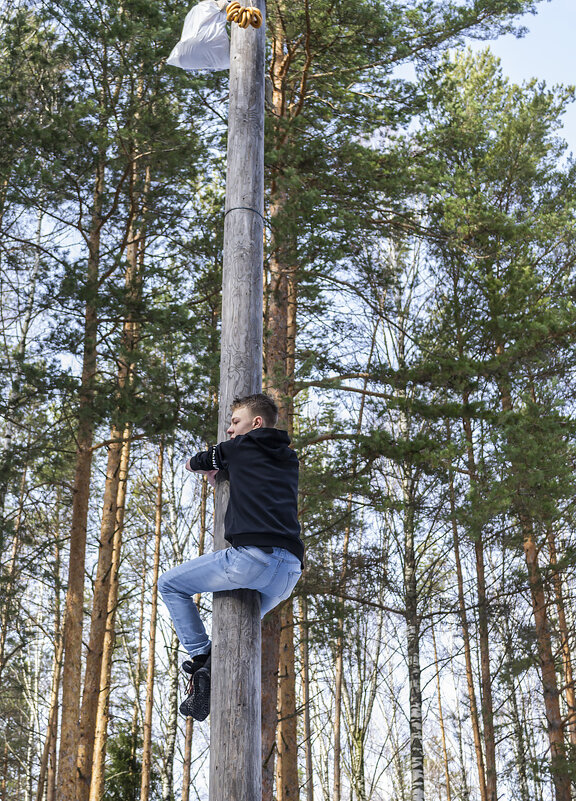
235	727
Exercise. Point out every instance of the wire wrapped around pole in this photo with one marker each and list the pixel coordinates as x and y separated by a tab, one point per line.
244	16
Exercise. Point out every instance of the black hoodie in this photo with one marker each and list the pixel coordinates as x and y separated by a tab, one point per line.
263	472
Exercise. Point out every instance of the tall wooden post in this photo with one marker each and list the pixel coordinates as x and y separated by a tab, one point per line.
235	736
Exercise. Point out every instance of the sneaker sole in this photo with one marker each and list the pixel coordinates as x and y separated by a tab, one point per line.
201	696
197	705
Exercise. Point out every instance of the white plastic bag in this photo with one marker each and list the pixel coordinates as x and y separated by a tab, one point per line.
204	44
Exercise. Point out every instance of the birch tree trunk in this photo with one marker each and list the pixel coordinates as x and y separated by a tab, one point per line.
409	483
413	642
167	771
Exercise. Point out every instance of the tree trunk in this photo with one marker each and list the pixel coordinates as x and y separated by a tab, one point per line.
32	696
280	314
533	759
483	632
287	781
559	767
72	667
101	732
130	337
413	643
305	657
564	639
358	709
278	679
269	679
190	721
4	783
467	648
339	666
47	774
15	394
116	453
486	690
137	714
10	579
279	377
187	759
358	761
520	745
147	738
338	670
99	618
488	781
169	750
558	763
464	788
441	719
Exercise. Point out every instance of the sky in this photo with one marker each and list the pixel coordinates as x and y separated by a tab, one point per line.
546	52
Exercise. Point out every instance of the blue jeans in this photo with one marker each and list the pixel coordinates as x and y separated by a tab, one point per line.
274	575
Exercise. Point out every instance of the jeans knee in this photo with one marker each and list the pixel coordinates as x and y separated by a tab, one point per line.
162	582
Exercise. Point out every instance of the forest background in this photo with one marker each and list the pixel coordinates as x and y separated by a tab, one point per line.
420	341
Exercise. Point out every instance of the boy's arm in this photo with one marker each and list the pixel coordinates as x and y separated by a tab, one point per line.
210	474
209	462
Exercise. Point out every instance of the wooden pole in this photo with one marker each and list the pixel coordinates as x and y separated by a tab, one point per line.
235	739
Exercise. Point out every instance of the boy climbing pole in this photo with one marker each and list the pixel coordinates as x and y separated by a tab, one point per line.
261	525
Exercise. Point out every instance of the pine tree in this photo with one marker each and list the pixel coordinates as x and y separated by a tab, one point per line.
501	211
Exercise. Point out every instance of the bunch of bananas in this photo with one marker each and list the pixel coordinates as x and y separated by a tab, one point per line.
244	16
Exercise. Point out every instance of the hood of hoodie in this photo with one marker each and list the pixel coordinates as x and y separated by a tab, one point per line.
273	441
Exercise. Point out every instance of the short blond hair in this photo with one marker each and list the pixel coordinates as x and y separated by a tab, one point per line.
259	404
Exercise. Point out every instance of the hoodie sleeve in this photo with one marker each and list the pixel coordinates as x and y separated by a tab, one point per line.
215	458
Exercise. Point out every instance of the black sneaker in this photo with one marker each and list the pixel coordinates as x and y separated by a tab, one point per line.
197	704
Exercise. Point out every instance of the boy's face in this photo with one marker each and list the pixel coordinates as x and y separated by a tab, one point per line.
242	422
